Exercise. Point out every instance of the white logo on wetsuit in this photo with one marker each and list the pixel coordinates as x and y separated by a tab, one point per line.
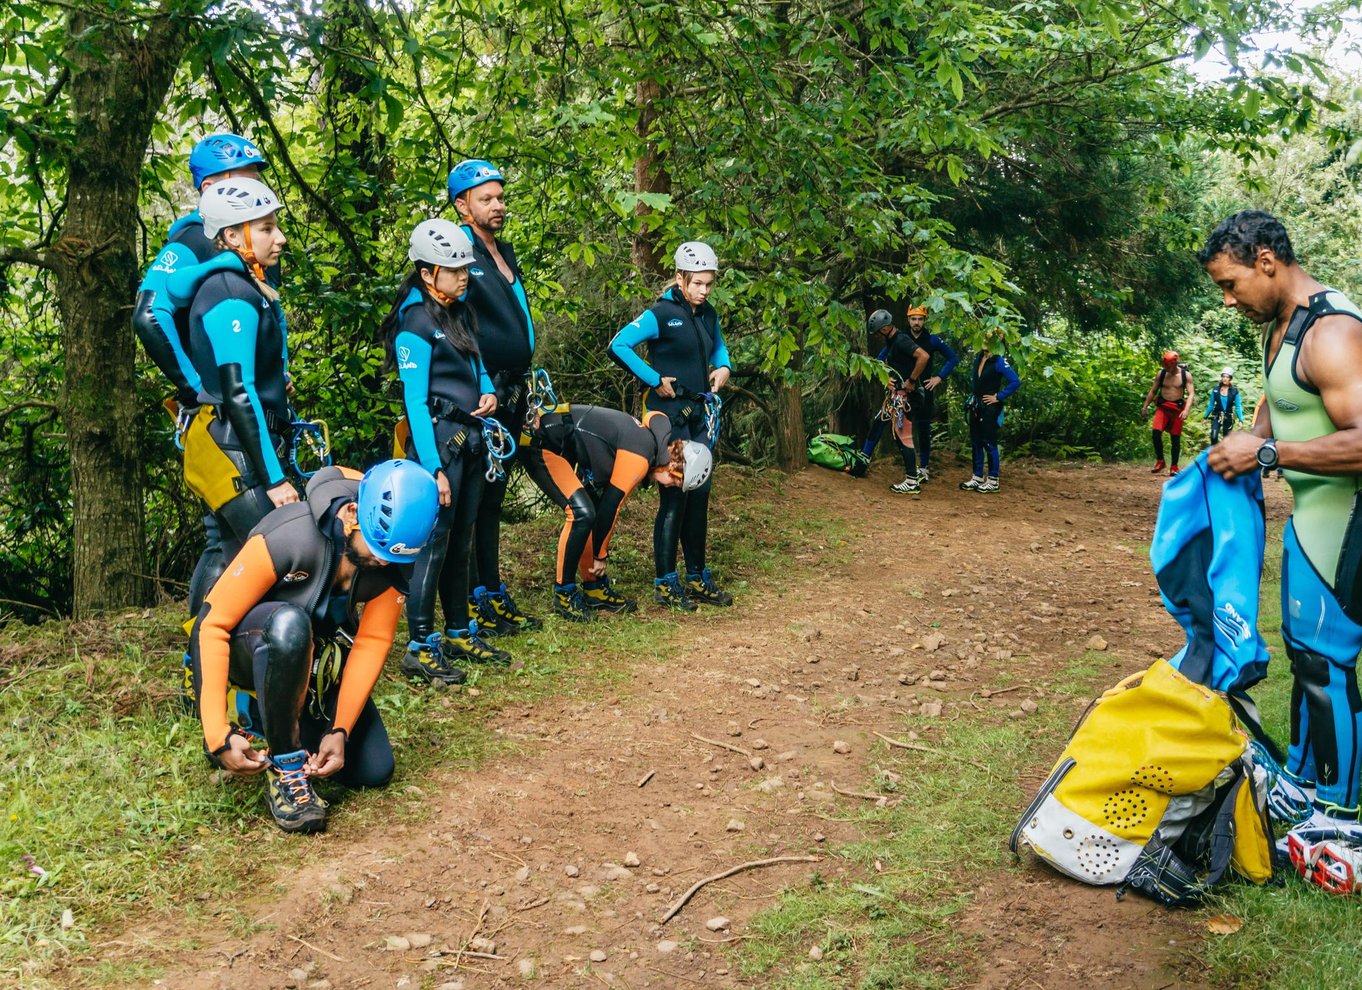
166	263
674	323
1232	624
404	360
1285	405
476	271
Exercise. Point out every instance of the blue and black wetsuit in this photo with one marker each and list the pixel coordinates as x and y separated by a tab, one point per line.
506	342
925	410
441	386
683	343
239	347
1223	411
990	375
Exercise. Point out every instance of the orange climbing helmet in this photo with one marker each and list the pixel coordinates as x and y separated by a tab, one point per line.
1170	359
918	311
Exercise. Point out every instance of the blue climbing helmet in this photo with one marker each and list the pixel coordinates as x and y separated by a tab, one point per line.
219	153
398	502
472	173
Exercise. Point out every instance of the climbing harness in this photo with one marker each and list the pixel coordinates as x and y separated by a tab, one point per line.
501	447
312	439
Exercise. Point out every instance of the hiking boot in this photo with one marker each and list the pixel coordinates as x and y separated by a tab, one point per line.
601	596
1157	468
426	660
296	807
988	487
667	591
570	603
1173	470
468	646
908	486
859	468
972	485
923	476
701	588
498	614
188	701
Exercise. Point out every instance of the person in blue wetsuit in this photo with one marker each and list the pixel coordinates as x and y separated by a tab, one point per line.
239	348
906	362
993	381
933	383
1223	408
163	328
686	354
505	332
430	338
1310	426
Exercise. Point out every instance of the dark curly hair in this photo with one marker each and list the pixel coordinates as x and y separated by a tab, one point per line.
1243	234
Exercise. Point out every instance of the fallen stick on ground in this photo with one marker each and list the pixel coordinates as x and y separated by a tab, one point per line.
723	745
681	901
900	744
877	798
990	694
647	777
314	948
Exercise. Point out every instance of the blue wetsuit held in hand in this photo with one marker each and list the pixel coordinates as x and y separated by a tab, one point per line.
1207	555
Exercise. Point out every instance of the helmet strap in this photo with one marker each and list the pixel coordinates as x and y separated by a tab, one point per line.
436	294
248	253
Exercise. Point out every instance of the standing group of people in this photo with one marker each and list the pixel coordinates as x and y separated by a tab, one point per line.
916	379
296	599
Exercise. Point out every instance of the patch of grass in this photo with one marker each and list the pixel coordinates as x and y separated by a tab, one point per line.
889	922
103	783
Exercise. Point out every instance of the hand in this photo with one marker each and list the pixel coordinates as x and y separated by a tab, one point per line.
931	383
1235	454
330	756
597	569
240	756
282	494
289	387
1144	411
1183	415
665	389
718	378
487	404
442	486
990	400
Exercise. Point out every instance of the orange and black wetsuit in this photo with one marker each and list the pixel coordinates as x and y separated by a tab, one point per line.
276	606
611	449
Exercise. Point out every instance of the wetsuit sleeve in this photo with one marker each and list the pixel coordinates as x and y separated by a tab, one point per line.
373	640
718	357
952	359
1238	407
1210	406
520	297
1009	376
884	353
485	386
153	320
247	580
629	471
231	326
622	349
413	368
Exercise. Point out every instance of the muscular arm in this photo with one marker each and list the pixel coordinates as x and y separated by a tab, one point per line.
1331	361
921	357
1190	397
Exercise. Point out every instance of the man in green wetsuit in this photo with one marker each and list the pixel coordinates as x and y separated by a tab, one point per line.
1311	426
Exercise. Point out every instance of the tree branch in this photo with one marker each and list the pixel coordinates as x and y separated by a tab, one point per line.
26	256
31	404
337	223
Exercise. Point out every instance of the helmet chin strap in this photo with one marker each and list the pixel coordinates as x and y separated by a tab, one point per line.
439	297
248	253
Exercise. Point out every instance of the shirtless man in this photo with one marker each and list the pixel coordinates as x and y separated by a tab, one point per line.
1173	392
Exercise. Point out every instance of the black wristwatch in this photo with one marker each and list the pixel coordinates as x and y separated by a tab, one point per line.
1267	455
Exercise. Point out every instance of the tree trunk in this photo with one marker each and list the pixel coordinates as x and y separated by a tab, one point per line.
118	83
791	445
650	176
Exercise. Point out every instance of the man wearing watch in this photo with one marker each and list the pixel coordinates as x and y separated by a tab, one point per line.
1311	428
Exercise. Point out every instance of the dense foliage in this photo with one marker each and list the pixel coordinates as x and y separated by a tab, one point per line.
1031	167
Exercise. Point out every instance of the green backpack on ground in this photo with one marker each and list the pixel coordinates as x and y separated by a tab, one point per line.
837	453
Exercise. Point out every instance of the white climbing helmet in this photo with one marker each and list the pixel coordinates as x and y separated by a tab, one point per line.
699	464
235	201
1227	371
441	242
696	256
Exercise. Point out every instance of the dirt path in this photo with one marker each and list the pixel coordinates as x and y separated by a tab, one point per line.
1018	581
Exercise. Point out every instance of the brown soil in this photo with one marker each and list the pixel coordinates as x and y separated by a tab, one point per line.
1056	558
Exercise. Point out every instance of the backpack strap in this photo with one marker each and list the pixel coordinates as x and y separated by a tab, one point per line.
1247	712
